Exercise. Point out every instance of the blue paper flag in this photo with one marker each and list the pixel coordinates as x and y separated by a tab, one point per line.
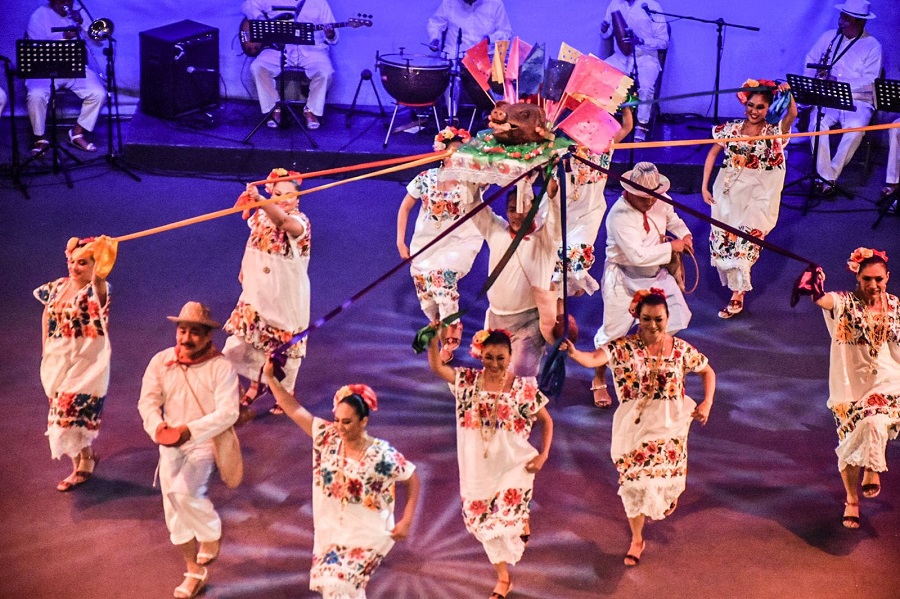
531	73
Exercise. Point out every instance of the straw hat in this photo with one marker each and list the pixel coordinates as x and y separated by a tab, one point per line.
856	8
646	175
195	313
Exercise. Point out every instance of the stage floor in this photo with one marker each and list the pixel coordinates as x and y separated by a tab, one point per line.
760	517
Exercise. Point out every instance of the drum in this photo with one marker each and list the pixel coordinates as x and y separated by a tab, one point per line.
414	78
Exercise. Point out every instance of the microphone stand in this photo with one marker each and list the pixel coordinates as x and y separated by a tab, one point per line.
720	45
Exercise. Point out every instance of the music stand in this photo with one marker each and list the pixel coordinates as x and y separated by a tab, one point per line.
52	59
887	99
283	33
821	93
14	165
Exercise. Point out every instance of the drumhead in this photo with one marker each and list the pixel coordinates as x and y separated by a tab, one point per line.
416	61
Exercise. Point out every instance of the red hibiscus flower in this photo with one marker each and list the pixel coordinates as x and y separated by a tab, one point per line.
478	507
519	425
752	161
672	455
512	497
876	399
639	457
354	488
503	412
776	160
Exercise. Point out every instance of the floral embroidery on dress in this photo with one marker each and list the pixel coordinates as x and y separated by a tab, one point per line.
441	200
437	283
662	458
76	410
847	415
502	511
728	246
515	411
852	327
81	316
369	482
266	237
245	322
764	154
581	259
632	373
353	565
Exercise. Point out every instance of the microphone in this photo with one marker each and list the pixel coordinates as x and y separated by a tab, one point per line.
647	9
200	70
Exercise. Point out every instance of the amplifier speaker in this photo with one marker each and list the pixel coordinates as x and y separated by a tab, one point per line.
179	69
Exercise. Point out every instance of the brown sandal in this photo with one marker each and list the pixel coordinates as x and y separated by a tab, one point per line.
851	522
733	308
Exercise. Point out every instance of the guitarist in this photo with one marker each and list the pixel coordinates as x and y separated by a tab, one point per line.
314	60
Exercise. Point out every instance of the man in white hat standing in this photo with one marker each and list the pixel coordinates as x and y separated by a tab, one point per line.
189	395
852	56
637	253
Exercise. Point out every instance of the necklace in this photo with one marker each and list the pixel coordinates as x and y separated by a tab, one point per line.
876	330
655	363
487	434
345	480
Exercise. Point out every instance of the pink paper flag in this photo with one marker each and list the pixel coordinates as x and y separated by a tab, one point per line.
518	50
598	82
591	126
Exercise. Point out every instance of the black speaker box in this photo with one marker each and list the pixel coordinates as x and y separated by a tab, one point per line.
179	69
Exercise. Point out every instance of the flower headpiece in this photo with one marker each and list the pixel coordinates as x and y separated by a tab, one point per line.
448	134
76	248
639	296
743	96
283	172
364	391
860	254
480	337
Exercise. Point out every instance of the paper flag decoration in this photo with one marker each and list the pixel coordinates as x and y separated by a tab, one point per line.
531	74
556	76
518	50
478	63
498	66
591	126
598	82
567	53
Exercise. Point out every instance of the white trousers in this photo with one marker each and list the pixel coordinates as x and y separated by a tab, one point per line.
3	100
315	62
184	478
893	163
90	89
648	71
830	168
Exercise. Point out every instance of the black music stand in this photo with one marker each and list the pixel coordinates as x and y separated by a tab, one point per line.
15	166
821	93
113	157
887	99
52	59
365	75
282	33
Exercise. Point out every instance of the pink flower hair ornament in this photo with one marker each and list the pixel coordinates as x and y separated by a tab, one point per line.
364	391
743	96
447	135
478	339
639	296
860	254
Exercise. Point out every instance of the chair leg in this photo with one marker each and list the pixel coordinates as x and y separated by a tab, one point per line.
391	126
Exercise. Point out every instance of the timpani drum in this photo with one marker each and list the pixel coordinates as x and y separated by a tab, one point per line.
414	79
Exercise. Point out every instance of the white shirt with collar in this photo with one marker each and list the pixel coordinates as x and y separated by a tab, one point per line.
859	66
631	246
483	18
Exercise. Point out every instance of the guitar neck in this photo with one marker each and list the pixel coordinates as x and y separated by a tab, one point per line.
335	25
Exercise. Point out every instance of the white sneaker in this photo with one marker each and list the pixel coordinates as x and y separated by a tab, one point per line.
640	133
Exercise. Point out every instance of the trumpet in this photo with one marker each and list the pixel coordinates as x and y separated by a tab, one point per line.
101	29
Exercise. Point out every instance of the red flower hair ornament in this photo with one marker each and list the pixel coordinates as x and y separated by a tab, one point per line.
479	338
743	96
364	391
639	295
860	254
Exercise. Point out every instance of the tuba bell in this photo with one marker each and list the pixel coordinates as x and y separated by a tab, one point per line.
100	30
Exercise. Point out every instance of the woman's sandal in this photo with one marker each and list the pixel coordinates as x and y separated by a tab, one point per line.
276	410
871	490
85	145
672	507
205	556
632	560
601	400
496	594
733	308
851	522
79	477
185	591
258	391
889	191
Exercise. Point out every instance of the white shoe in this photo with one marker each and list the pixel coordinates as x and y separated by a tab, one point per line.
640	133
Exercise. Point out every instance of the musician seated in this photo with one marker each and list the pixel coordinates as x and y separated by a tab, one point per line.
469	22
648	35
853	56
57	14
314	60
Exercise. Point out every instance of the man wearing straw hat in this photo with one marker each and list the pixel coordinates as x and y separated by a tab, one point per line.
637	252
189	395
852	56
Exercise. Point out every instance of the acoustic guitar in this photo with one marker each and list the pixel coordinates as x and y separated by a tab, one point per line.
252	49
